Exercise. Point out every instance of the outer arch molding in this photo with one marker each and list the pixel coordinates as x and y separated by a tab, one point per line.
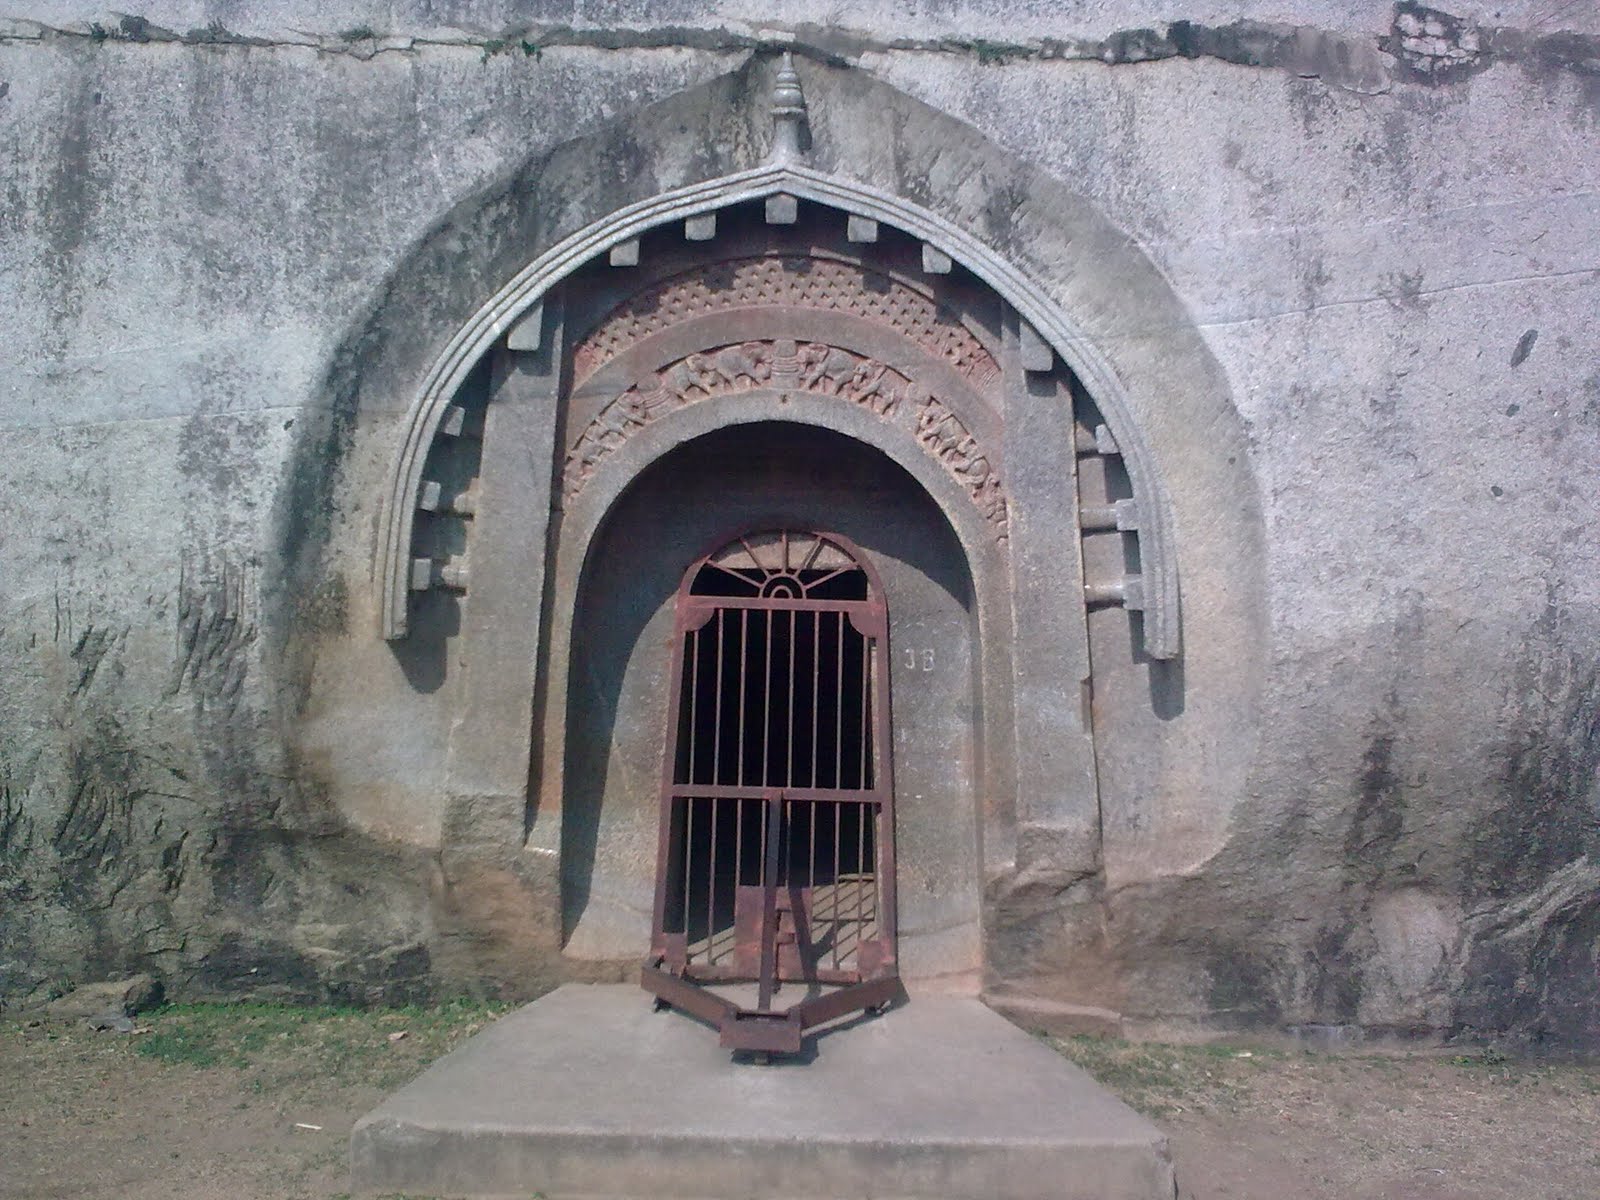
495	317
784	175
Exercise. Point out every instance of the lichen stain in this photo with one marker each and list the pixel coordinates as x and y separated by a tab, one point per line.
1548	815
69	198
1379	817
1531	881
1240	988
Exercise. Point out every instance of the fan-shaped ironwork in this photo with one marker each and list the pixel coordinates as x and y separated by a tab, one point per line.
783	564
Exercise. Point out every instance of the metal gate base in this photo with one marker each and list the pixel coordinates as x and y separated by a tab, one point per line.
766	1031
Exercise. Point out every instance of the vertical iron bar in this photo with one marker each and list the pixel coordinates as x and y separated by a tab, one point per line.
766	708
694	697
716	739
816	683
769	905
811	849
738	849
838	707
838	819
793	663
866	718
711	888
861	862
688	872
744	654
883	789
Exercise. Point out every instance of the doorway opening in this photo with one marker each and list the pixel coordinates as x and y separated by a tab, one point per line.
776	852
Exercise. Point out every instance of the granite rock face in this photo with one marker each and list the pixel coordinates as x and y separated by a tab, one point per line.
1344	261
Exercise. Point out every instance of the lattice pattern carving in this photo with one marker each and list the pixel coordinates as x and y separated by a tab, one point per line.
791	366
791	281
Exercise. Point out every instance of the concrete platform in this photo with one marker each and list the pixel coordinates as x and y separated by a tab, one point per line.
589	1093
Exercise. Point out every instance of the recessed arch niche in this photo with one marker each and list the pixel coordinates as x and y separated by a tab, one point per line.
742	476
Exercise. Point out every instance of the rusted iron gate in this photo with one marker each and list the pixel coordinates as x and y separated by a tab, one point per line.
776	856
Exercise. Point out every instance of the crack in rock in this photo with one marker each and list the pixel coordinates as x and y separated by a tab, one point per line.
1422	45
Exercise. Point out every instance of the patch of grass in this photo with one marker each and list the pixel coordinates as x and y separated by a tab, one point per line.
280	1044
992	54
1226	1080
1489	1056
498	46
180	1044
1494	1067
1160	1080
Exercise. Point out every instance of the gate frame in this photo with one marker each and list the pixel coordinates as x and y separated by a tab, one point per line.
762	1029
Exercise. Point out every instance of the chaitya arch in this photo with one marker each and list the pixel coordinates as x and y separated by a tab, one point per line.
516	313
869	346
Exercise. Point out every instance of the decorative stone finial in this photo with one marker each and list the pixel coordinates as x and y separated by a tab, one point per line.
788	111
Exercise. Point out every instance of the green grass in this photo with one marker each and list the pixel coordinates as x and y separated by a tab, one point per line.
279	1043
992	54
1494	1066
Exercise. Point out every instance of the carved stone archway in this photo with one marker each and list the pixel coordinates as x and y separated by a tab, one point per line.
631	337
516	312
771	326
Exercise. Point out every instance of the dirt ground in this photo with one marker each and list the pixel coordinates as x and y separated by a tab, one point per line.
1259	1124
256	1103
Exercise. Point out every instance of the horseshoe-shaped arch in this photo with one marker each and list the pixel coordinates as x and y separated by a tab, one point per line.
1158	581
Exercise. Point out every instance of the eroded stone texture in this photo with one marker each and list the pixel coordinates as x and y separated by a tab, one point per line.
1341	260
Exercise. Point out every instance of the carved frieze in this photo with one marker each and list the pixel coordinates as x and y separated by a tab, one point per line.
941	433
806	367
789	281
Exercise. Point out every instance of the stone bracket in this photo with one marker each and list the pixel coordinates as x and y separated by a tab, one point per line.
1121	515
528	332
448	573
1127	591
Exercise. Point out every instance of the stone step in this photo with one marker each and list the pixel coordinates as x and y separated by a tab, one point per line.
589	1093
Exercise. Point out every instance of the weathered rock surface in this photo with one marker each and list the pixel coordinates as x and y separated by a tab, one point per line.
123	997
1366	797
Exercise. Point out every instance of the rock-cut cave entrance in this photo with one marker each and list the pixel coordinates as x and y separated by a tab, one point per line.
750	604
